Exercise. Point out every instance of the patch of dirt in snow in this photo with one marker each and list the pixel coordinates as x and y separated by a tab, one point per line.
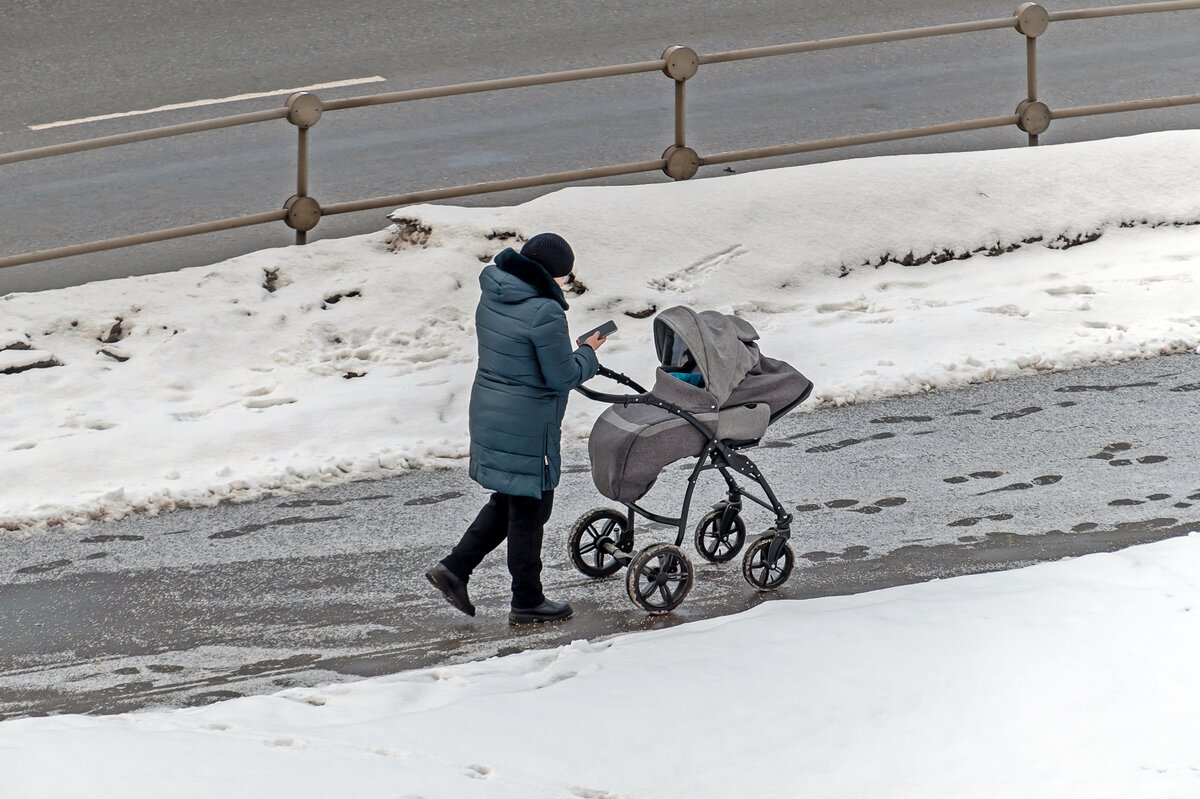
1062	241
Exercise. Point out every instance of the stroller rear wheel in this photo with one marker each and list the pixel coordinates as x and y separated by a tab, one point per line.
718	540
659	578
759	572
589	532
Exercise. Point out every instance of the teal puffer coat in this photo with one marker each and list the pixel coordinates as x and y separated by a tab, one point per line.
527	367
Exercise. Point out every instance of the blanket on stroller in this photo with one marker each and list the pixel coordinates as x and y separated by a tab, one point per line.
709	365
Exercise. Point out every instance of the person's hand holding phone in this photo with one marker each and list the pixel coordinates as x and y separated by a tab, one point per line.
596	337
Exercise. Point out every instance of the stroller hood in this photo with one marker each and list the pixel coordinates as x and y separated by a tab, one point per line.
722	346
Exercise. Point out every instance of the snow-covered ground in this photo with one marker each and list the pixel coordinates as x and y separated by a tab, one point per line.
1071	679
348	358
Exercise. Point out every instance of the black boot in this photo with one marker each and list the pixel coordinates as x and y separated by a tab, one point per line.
454	589
549	610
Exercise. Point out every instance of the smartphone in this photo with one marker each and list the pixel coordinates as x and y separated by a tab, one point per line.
605	330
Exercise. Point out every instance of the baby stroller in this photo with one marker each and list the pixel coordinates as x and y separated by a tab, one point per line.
714	395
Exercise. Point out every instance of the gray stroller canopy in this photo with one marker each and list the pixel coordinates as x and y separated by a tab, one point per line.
719	344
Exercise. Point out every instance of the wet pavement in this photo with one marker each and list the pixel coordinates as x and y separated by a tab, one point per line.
200	605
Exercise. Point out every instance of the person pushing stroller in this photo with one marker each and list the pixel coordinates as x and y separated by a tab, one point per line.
527	367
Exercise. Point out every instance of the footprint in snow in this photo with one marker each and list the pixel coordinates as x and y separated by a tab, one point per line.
1005	310
42	568
1110	451
971	521
268	402
435	499
698	271
1043	480
1016	414
849	504
592	793
1117	503
985	475
857	552
285	743
848	442
1067	291
1104	389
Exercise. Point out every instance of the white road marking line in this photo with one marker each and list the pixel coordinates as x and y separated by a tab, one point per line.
216	101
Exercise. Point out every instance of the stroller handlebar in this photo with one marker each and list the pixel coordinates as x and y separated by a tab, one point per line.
643	397
612	399
604	371
616	377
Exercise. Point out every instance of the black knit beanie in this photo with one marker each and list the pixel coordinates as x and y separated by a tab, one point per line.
552	252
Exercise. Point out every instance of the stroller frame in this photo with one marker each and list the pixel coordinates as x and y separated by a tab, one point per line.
717	455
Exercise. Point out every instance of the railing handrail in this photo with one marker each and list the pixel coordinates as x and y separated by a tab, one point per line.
216	123
433	195
148	238
1122	11
679	161
497	84
858	40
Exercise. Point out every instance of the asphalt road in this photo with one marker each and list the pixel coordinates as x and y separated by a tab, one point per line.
195	606
79	58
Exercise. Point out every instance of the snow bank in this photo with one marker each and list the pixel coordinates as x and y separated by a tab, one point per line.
292	367
1072	679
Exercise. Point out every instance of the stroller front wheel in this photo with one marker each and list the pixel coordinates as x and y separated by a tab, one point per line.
718	541
659	578
763	575
593	529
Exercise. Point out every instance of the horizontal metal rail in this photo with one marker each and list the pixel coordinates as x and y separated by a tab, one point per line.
144	238
862	138
1121	11
541	79
431	195
1116	108
941	128
143	135
857	41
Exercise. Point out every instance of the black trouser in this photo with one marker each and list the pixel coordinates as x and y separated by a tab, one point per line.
520	520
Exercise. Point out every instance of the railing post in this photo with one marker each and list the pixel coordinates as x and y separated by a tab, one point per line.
1032	21
680	121
302	162
304	110
682	161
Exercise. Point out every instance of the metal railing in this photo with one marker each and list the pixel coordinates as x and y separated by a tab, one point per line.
302	212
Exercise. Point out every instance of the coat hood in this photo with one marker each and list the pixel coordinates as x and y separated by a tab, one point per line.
514	278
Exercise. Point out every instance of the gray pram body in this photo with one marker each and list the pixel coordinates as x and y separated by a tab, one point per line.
714	394
738	393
